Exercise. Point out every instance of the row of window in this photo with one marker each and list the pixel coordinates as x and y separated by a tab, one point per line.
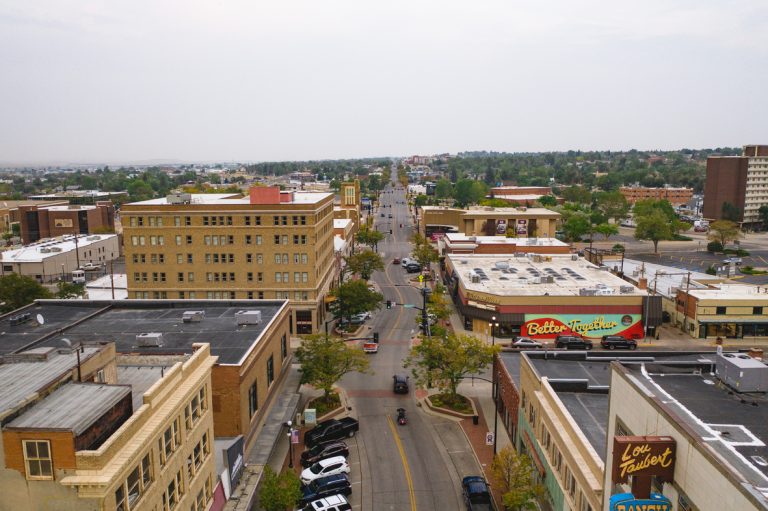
216	258
135	486
280	277
207	220
221	295
218	240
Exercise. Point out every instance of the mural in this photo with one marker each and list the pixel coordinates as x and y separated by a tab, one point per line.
549	326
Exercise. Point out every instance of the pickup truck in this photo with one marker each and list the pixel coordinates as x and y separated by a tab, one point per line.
332	429
477	494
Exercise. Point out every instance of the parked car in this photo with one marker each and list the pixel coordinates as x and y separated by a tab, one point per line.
734	260
332	429
413	267
326	487
332	503
525	342
572	342
612	342
400	384
477	494
322	451
90	266
326	467
405	260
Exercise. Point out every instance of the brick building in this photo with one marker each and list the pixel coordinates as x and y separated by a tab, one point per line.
676	196
38	222
740	181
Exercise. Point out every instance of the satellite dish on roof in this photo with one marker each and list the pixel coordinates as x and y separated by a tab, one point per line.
40	319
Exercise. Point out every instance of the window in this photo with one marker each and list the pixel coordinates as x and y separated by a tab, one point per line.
248	258
193	411
284	346
189	240
174	493
37	459
270	370
296	277
179	259
257	220
277	239
189	258
191	278
253	403
304	277
187	221
757	311
169	441
285	258
180	276
258	239
177	221
260	278
261	295
720	310
278	258
178	239
303	258
249	276
135	486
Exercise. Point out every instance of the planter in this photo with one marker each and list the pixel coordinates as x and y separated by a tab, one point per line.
452	413
342	408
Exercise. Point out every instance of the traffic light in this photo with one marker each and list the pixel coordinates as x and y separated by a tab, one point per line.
390	231
389	304
376	337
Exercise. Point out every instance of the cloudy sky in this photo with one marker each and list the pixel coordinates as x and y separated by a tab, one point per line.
254	80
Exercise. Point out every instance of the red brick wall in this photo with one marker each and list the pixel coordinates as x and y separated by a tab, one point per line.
508	397
726	182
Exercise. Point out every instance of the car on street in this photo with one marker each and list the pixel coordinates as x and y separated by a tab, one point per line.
413	267
572	342
370	347
405	260
332	503
526	342
322	451
332	429
328	486
477	494
400	384
611	342
734	260
396	260
326	467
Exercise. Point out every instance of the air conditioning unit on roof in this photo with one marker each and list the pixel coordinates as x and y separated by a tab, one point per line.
150	340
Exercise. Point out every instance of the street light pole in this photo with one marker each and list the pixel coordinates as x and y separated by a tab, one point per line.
493	330
289	424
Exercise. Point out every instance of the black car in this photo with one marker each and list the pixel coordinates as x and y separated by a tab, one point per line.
322	451
572	342
413	267
400	384
612	342
325	487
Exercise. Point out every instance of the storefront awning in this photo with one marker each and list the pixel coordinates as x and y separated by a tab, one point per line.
509	318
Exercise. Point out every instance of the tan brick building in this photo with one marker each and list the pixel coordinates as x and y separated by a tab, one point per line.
269	245
93	433
484	220
675	196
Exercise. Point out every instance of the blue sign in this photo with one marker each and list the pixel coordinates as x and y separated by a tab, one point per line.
628	502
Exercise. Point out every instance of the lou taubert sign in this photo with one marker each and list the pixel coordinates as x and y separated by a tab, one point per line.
643	456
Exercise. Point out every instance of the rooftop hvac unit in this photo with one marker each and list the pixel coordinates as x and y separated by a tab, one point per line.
55	249
600	286
474	277
574	257
45	250
524	281
248	317
179	198
20	318
604	292
626	289
537	258
463	261
537	280
501	265
93	238
587	292
548	280
150	340
636	273
742	372
192	316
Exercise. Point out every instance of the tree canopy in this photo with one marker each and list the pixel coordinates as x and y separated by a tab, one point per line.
16	291
354	297
724	231
369	237
513	473
325	360
279	491
364	263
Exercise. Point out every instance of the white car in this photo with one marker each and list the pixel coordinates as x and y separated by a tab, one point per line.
526	342
327	467
405	260
90	266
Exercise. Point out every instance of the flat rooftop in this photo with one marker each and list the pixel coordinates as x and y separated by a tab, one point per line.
75	194
517	275
341	223
120	321
140	379
33	254
235	199
658	276
733	425
462	239
72	407
484	211
731	292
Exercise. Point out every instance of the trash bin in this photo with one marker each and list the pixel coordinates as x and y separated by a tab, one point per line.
475	420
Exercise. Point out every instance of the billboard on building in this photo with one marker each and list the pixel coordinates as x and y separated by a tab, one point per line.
522	227
549	326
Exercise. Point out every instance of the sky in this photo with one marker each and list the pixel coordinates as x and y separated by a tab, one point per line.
263	80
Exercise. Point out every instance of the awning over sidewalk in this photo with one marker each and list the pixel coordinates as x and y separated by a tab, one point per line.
512	318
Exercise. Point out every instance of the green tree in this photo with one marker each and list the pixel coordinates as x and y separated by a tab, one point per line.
16	291
469	191
577	226
654	226
67	290
443	189
369	237
335	185
279	491
613	205
325	360
577	194
513	473
723	231
365	263
730	212
607	230
420	200
139	190
424	254
763	214
548	200
352	298
445	361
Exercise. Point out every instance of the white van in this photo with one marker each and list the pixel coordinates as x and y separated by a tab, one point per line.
78	277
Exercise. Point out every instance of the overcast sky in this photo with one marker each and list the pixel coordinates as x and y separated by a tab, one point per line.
255	80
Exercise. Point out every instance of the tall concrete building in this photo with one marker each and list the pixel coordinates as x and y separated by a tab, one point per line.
269	245
740	181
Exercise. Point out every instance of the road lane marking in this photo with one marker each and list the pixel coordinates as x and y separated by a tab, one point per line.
406	468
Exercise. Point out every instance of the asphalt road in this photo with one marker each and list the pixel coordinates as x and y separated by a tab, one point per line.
402	467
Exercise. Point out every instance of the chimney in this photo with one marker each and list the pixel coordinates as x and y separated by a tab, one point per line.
286	196
642	283
265	195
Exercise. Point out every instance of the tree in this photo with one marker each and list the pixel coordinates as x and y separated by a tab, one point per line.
607	230
365	263
548	200
279	491
577	226
443	189
577	194
730	212
420	200
325	360
444	361
612	205
762	212
513	473
369	237
469	191
723	231
424	254
654	226
69	290
140	190
16	291
354	297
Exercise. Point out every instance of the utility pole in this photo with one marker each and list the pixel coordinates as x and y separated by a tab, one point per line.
112	277
685	306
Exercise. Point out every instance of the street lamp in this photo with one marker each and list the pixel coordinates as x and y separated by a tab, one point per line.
494	325
289	425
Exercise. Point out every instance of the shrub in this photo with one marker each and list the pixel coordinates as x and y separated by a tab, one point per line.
711	271
714	246
618	247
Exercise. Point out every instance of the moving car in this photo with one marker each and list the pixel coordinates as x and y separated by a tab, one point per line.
396	260
572	342
405	261
612	342
525	342
332	429
370	347
332	503
477	494
413	267
326	467
323	451
400	384
326	487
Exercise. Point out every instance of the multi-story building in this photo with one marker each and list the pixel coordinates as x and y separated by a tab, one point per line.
520	222
675	196
9	211
741	182
82	196
269	245
39	222
521	195
83	431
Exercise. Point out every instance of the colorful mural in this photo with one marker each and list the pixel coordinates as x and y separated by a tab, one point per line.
549	326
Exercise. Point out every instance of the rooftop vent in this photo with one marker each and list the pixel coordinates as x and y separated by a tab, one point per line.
192	316
626	289
501	265
574	257
150	340
18	319
179	198
248	317
45	250
54	249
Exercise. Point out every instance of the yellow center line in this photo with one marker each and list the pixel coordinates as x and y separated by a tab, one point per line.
406	468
